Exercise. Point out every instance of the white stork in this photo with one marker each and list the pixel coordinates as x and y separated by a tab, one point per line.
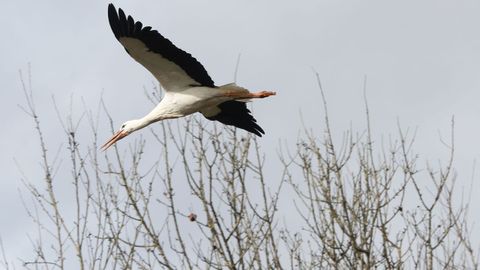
188	88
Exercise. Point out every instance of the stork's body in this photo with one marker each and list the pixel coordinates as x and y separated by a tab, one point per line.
196	99
188	88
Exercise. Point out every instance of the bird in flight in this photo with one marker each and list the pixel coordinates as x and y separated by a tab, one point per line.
188	87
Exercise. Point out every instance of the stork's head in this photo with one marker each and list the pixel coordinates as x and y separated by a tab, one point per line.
126	128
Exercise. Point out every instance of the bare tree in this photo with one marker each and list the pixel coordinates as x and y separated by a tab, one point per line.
205	201
353	201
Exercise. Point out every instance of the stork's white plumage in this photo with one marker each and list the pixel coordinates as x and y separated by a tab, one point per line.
188	87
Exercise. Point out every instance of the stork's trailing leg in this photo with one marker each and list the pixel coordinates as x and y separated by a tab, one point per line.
236	92
248	95
262	94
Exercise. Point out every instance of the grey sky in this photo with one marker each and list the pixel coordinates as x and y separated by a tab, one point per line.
421	58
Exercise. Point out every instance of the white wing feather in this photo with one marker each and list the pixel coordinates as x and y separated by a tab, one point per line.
170	75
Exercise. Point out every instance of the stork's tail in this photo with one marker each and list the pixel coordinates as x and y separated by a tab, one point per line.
232	87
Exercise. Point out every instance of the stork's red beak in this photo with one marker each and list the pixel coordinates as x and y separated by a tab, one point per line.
116	137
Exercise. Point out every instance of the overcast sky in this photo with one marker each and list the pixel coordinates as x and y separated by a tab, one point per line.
421	60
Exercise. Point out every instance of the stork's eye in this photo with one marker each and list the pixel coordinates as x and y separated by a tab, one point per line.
123	126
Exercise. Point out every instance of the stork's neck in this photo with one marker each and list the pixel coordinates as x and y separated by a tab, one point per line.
164	110
155	116
137	124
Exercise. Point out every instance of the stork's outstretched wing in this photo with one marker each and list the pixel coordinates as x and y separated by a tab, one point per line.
234	113
175	69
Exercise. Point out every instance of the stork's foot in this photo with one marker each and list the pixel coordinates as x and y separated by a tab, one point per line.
263	94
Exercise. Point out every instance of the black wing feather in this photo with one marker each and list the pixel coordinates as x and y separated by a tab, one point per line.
235	113
127	27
